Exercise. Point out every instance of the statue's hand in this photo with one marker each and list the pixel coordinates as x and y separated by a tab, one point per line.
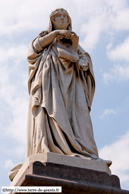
64	33
84	62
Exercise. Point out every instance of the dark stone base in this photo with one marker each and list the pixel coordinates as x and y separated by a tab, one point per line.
72	179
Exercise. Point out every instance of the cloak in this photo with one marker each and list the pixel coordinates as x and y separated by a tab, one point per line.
61	94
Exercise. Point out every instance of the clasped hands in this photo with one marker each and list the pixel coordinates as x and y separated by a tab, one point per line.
65	34
83	62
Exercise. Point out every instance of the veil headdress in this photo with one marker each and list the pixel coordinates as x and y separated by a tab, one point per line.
50	26
64	51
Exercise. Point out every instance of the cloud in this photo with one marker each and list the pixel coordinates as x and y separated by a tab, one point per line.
14	108
18	124
18	151
90	18
120	53
119	21
13	92
14	52
117	73
118	153
8	164
102	17
92	30
107	112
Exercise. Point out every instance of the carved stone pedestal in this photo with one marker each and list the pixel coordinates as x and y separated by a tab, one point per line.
74	180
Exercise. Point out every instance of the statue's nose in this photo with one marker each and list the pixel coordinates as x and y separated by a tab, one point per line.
62	17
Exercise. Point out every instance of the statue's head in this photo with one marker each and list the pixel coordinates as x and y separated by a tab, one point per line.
59	19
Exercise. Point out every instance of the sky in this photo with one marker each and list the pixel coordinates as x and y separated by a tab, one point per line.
103	30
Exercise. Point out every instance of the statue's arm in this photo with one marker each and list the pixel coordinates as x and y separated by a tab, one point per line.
41	42
83	62
84	59
85	65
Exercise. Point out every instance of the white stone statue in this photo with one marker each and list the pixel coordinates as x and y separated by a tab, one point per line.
61	87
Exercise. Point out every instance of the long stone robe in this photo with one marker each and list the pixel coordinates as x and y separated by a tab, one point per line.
61	95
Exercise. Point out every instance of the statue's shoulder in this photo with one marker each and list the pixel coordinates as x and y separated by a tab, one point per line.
41	34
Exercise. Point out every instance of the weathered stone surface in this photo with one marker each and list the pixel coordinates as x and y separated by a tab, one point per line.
72	179
61	85
64	160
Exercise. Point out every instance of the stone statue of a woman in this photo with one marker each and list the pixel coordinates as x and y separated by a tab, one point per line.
61	87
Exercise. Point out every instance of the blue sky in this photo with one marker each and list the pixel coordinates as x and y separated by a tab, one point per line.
103	30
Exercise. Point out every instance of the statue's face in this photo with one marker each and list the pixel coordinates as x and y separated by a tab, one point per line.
60	21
